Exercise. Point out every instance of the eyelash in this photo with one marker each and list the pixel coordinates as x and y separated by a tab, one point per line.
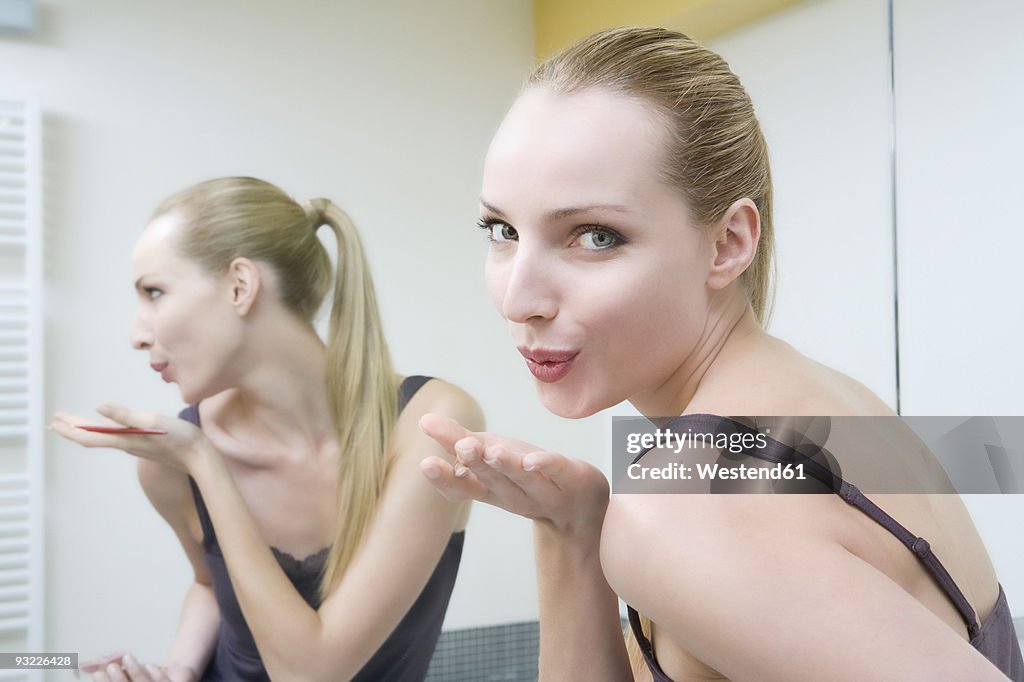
486	224
149	292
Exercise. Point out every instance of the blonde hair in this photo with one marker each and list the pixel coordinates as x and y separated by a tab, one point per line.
717	153
229	218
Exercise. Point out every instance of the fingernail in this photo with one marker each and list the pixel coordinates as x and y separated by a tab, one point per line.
460	470
466	456
432	473
113	669
103	408
152	670
128	660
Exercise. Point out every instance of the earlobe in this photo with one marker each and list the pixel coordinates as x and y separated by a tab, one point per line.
736	236
244	278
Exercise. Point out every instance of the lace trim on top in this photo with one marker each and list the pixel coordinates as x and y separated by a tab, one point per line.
311	564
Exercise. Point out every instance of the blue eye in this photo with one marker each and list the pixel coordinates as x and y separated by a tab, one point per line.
498	231
152	293
595	238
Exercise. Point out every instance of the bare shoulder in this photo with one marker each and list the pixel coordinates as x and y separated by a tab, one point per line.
701	535
716	570
771	377
441	397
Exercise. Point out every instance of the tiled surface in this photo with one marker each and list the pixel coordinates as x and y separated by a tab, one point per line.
497	653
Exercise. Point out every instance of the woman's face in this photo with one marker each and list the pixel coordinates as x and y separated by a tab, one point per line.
184	316
595	261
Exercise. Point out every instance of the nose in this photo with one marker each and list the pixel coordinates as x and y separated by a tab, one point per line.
141	331
524	284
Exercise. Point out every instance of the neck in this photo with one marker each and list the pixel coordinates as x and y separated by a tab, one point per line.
281	396
728	328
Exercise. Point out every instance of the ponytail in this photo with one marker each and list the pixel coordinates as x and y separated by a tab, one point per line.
361	391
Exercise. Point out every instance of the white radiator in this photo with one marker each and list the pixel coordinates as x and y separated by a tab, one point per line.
22	481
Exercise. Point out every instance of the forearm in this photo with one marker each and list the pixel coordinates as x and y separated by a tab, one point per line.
580	632
197	630
287	631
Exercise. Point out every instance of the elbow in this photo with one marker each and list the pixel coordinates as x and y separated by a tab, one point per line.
309	671
310	659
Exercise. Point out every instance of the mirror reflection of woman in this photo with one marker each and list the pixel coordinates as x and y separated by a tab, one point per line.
628	199
292	479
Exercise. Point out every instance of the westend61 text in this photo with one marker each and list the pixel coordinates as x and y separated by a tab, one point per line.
709	472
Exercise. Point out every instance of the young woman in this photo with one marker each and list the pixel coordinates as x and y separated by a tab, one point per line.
292	478
627	196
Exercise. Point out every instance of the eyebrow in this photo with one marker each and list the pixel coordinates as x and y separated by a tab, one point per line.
565	212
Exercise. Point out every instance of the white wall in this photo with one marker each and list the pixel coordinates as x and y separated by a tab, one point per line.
819	77
959	113
818	74
384	107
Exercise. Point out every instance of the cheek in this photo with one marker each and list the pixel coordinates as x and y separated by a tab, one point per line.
187	328
649	312
496	279
168	327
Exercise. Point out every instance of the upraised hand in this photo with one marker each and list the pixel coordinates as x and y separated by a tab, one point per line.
179	447
567	493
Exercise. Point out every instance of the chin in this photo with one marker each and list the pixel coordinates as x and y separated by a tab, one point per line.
190	396
187	397
566	403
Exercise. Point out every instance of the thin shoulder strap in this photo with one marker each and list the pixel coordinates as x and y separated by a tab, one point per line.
920	547
410	385
204	516
646	647
191	414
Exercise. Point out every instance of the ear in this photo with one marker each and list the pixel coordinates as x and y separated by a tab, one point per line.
244	278
735	243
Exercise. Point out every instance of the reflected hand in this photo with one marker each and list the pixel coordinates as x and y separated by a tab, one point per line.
123	667
567	493
179	447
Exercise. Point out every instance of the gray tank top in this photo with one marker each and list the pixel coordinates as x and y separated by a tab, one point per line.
404	656
995	638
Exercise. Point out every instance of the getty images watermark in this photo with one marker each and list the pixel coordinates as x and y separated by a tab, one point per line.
715	454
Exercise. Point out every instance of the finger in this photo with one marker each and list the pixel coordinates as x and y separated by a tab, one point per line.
441	474
534	481
467	451
553	465
157	674
94	664
445	430
87	438
134	670
115	673
68	417
125	416
100	676
499	485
